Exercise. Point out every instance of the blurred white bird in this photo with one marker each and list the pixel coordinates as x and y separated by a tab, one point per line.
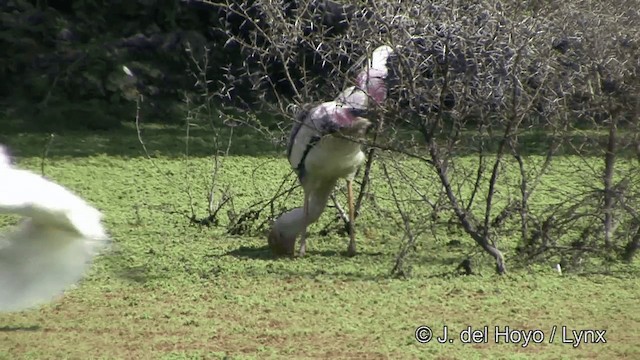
321	152
51	248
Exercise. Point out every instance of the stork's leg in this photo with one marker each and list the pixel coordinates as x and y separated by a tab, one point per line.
351	251
303	237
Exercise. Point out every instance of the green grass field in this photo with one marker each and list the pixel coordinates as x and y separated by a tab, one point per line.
168	290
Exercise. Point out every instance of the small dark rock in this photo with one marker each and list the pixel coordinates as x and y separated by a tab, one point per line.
454	243
465	266
449	101
562	45
609	86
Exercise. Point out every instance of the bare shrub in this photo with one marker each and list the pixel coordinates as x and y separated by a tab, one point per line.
488	96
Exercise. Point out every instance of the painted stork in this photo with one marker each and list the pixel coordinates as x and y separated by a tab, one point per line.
322	150
50	249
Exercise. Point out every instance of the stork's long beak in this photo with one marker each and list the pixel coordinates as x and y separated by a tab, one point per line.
359	127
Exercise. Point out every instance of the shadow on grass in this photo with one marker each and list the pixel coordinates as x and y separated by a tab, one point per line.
254	253
364	276
345	276
313	259
264	253
343	253
137	275
10	328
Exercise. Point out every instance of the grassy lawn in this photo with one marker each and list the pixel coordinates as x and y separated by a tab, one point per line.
168	290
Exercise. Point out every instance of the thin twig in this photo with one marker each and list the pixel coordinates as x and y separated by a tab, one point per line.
45	152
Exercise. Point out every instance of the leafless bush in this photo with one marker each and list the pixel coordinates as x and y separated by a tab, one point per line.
201	110
489	96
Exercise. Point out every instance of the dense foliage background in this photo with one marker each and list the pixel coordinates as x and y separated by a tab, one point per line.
61	63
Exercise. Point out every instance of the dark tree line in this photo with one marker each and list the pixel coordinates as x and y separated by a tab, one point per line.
66	57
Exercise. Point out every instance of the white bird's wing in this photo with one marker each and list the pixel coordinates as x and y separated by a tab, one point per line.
4	158
51	248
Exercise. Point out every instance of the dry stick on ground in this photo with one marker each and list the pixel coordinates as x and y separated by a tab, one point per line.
217	164
186	145
259	206
516	118
45	152
342	215
139	100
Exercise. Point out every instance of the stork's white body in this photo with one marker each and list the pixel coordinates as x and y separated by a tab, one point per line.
323	149
334	158
51	248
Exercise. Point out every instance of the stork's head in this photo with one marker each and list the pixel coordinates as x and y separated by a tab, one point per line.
380	57
373	78
280	243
